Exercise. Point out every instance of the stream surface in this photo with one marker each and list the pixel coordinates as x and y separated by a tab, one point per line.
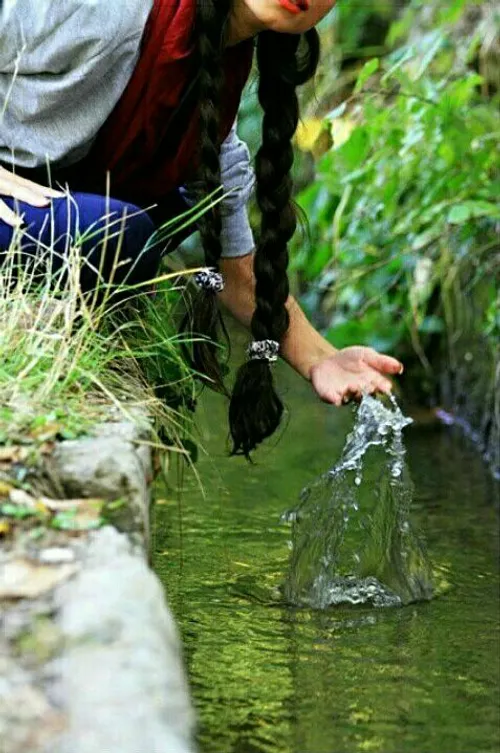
272	678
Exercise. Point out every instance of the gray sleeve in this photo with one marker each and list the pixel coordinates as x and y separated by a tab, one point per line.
63	67
238	179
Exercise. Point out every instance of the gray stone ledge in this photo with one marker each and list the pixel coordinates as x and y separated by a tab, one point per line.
92	663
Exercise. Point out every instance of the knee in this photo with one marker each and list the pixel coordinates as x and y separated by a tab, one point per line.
133	225
112	236
94	217
133	230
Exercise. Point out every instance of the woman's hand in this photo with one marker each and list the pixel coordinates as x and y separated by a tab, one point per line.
23	190
336	375
351	372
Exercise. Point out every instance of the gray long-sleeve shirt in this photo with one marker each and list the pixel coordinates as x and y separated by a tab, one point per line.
63	67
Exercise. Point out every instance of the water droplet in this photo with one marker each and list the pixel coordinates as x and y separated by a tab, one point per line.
329	531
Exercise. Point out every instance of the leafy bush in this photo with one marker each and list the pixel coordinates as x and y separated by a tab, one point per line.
405	201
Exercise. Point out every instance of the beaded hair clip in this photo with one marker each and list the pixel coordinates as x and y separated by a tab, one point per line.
209	279
263	350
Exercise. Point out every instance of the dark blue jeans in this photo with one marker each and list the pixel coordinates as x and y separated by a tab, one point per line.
114	238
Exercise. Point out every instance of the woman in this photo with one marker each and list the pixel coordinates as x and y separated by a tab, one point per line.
147	93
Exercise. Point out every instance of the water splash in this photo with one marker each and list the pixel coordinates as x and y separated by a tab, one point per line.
352	540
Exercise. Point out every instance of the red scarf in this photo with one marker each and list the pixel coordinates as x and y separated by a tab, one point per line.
148	149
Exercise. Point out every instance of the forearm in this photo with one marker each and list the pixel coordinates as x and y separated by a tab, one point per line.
302	347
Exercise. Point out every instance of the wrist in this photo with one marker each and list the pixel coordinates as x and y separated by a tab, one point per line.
320	356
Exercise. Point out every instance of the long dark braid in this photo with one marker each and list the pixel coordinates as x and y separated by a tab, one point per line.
284	61
204	319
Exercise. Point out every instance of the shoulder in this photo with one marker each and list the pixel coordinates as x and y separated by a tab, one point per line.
105	20
51	27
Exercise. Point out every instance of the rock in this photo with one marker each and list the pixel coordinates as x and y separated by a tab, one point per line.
122	662
20	578
27	719
108	467
56	555
92	659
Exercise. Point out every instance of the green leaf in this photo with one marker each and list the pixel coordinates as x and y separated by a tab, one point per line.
451	12
468	210
16	511
367	70
356	149
321	256
458	214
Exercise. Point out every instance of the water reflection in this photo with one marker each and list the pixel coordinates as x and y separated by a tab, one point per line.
267	678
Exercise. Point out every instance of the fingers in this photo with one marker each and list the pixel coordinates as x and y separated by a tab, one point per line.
352	373
383	363
336	399
352	394
377	383
8	216
25	195
27	192
36	195
30	197
36	188
355	390
383	385
350	397
331	396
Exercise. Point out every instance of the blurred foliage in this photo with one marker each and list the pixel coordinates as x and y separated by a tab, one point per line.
404	200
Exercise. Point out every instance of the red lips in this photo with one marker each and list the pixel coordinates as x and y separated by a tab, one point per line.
294	6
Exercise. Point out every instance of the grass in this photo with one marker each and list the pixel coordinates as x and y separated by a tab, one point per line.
66	358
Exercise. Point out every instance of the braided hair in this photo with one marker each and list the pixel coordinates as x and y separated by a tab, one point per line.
285	61
204	319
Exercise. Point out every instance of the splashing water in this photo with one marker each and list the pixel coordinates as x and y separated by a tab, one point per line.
352	541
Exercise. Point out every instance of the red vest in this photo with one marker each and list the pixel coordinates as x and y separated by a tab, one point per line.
147	149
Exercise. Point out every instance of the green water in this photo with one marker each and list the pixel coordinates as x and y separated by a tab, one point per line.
267	678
